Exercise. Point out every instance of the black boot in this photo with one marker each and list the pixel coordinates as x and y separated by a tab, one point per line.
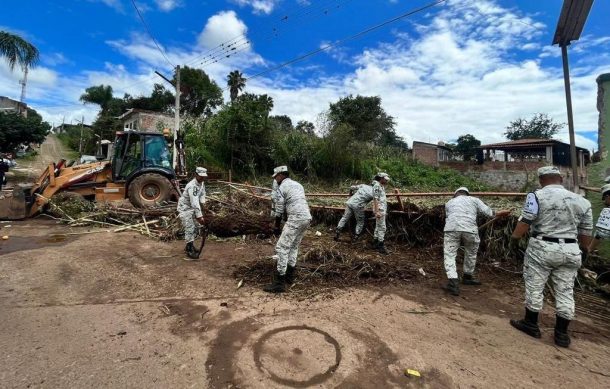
453	286
562	339
277	286
189	247
290	274
356	238
529	324
190	251
381	248
468	279
337	234
375	244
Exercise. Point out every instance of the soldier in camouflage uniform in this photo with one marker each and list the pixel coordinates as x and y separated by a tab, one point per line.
602	227
290	200
355	206
461	229
274	187
189	209
559	220
380	210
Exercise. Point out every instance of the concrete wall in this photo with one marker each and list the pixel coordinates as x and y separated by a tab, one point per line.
11	105
518	176
427	154
143	121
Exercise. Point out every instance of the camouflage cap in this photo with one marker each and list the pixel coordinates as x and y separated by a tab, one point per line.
279	169
201	172
605	189
548	170
384	175
462	189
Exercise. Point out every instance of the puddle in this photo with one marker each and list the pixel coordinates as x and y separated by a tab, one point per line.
25	243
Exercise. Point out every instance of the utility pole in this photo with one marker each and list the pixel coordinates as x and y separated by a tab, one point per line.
176	85
23	83
80	142
177	117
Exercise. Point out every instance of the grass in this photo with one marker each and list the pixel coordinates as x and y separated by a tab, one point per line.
597	173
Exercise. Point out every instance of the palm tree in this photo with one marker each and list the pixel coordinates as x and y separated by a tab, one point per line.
17	50
100	95
236	82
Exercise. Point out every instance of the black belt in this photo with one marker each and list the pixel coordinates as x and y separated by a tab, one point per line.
556	240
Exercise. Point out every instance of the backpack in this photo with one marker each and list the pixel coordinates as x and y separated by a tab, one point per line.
3	166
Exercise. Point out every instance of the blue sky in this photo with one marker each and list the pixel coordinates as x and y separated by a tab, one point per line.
464	66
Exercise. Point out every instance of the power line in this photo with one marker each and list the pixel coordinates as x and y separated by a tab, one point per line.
151	35
339	42
230	48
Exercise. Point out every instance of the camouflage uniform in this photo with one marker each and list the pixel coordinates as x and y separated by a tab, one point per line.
602	227
379	195
189	208
274	188
291	200
461	228
355	206
557	215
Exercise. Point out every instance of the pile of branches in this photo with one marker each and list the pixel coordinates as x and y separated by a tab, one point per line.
222	218
419	227
327	266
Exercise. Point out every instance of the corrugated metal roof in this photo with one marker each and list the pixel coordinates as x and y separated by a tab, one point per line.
525	143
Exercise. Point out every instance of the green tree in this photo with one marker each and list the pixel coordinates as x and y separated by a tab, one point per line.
160	100
17	50
16	129
305	127
540	126
367	118
281	122
199	94
236	82
100	95
241	135
467	146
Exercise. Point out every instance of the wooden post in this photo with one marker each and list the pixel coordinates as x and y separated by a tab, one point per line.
397	192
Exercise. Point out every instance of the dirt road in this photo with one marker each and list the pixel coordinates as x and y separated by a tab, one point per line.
51	150
116	310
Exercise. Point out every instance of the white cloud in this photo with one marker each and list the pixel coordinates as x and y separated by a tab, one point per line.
55	59
222	27
258	6
168	5
456	78
456	74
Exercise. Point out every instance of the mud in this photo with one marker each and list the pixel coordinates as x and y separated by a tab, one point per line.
19	243
304	332
220	365
119	310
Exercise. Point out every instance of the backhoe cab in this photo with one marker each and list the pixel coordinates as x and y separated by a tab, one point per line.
140	169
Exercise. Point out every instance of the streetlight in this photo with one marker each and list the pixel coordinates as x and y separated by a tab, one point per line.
571	21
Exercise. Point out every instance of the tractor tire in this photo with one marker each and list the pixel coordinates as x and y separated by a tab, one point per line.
149	190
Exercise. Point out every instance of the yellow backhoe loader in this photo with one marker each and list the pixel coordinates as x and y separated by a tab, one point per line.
140	170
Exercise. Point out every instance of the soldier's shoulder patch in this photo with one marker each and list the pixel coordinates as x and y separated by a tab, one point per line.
604	219
531	203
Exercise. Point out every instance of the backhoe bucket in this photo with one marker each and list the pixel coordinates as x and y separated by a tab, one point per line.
13	204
